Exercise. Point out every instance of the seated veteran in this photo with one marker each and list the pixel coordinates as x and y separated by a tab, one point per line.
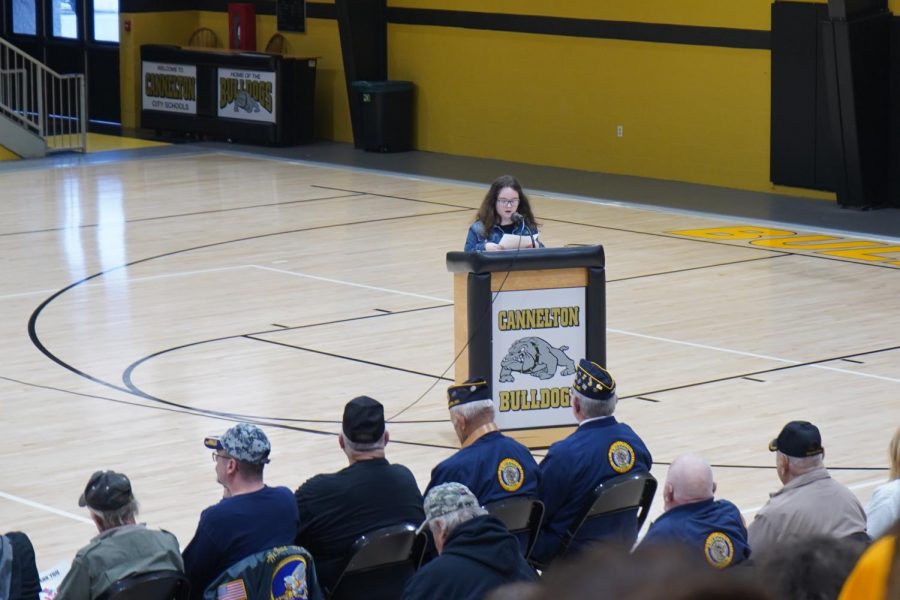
251	516
810	502
122	548
599	449
367	495
492	465
476	552
694	518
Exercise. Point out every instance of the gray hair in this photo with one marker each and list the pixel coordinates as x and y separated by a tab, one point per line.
118	517
370	447
472	409
452	520
805	464
592	408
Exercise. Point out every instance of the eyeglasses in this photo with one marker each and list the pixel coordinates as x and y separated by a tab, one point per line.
216	456
506	202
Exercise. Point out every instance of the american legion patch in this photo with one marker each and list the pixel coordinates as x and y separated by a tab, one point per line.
510	474
718	550
621	456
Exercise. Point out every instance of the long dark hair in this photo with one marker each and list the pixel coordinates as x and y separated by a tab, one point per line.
487	214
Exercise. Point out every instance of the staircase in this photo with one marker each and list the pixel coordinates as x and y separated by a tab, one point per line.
41	111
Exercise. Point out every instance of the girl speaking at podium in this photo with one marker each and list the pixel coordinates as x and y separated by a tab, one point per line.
505	220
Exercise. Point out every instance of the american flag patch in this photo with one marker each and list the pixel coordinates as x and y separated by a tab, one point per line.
233	590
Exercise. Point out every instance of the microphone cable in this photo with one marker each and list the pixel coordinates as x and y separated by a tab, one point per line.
479	325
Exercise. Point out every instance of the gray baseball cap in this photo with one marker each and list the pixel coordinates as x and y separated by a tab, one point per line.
447	498
245	442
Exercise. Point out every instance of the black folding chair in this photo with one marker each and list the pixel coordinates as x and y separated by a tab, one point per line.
624	493
155	585
522	516
381	564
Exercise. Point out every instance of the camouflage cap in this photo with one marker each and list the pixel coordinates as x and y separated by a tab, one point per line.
447	498
245	442
593	381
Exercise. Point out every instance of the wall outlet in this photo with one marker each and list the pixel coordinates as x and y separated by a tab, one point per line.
620	130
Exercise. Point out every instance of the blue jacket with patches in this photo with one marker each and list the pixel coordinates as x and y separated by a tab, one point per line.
481	468
712	527
596	451
477	237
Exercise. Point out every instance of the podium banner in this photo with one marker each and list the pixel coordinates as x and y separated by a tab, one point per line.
538	337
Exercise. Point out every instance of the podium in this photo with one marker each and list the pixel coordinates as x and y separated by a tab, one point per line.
522	320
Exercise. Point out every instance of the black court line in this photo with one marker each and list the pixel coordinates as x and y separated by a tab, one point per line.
231	417
664	235
275	422
350	358
858	362
756	380
187	214
698	268
32	321
762	372
127	378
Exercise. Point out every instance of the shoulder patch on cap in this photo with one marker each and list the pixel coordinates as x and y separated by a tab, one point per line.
718	550
510	474
621	456
289	579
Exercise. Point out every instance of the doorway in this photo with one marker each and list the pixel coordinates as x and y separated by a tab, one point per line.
73	36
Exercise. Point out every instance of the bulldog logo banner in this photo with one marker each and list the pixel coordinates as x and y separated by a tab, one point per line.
538	337
247	95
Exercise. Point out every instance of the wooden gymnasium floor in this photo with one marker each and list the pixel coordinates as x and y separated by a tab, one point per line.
149	301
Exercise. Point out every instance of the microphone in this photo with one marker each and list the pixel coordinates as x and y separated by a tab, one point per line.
518	219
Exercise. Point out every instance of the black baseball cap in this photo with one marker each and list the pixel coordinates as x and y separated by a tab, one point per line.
106	490
363	420
798	439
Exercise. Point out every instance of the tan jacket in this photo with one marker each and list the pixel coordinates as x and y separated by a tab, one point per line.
811	504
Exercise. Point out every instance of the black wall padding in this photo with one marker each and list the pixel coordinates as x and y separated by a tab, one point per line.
362	25
894	164
857	69
803	153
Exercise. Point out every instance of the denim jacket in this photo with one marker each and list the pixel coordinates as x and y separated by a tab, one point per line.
476	238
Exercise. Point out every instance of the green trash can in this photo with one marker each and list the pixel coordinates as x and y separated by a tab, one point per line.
386	112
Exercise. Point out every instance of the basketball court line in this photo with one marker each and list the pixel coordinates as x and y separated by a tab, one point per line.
760	356
351	284
666	235
45	508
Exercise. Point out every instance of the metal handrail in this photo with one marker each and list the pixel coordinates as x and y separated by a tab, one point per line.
49	105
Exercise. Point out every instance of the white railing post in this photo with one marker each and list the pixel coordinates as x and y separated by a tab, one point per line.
48	104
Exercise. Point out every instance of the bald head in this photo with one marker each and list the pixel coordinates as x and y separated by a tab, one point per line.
689	480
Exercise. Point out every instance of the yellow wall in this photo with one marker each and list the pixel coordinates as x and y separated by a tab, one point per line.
689	113
321	40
